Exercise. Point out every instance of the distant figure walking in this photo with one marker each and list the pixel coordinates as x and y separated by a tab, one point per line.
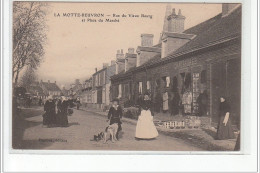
78	103
40	101
145	128
225	130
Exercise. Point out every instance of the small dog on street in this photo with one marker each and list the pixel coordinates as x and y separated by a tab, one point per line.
98	137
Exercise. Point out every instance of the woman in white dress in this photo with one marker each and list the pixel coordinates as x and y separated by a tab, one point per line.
145	128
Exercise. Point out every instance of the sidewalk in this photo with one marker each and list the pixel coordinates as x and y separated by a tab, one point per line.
201	137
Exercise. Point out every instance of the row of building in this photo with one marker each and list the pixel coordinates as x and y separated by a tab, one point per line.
206	57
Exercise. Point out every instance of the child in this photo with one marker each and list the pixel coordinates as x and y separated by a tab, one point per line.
115	114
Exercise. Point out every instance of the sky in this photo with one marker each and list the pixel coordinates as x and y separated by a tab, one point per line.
75	48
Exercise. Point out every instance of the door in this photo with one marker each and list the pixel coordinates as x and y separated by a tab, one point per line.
217	87
234	89
99	96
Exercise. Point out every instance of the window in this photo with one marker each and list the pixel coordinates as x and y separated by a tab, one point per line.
168	80
140	87
119	91
148	85
203	75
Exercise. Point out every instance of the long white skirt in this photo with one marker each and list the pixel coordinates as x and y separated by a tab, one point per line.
145	128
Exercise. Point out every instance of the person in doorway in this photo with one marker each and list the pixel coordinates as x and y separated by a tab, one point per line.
175	102
165	101
202	101
224	130
145	128
115	114
158	102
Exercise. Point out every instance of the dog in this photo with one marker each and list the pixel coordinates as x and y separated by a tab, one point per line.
111	130
98	137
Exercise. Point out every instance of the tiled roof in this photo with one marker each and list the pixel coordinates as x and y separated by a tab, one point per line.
35	89
214	29
51	86
158	45
153	59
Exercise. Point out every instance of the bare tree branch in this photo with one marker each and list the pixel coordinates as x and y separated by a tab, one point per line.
29	35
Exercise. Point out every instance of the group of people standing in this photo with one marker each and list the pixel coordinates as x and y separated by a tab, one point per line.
56	112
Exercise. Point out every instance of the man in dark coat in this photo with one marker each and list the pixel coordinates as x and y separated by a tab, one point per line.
49	117
175	102
202	101
115	114
63	114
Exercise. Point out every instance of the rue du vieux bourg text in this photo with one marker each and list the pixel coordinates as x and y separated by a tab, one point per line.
101	17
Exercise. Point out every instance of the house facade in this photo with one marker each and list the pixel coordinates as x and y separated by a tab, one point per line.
50	88
99	93
206	57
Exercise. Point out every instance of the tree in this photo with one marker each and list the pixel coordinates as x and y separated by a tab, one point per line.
29	36
28	78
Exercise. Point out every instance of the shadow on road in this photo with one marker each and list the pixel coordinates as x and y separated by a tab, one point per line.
20	124
210	132
73	124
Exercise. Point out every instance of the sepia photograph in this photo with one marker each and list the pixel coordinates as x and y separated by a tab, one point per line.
126	76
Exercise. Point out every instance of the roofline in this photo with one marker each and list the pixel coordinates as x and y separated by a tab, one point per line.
180	54
178	35
149	49
99	71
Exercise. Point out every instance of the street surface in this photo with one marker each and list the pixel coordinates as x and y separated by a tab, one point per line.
30	134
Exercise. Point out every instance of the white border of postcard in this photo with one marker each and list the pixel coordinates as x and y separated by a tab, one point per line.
132	161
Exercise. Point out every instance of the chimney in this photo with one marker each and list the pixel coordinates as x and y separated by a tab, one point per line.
48	81
131	50
105	65
113	62
146	40
173	12
95	69
176	22
179	13
227	8
55	82
120	55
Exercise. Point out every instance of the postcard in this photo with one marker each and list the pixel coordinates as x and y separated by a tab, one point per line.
121	77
